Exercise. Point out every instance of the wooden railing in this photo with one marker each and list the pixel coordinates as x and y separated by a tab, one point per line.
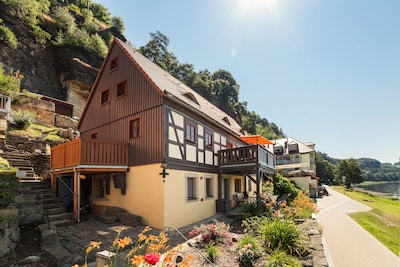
5	104
247	155
89	152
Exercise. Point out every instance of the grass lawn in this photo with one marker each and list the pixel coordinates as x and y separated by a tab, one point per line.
383	221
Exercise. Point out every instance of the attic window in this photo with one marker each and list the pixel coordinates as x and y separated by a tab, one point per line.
278	150
121	89
104	96
293	148
225	119
191	97
114	64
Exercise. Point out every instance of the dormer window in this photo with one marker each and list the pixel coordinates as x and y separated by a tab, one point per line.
293	148
114	64
278	150
191	97
226	120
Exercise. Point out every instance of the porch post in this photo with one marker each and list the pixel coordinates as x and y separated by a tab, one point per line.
77	196
258	184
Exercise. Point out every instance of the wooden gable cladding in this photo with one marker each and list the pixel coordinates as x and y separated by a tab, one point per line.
140	94
140	100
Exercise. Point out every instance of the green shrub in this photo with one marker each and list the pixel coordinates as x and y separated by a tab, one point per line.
280	258
248	249
212	251
252	209
8	215
8	37
98	45
8	184
282	186
41	35
64	19
280	234
21	119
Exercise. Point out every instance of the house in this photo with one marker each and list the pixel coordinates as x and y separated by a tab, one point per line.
297	160
154	147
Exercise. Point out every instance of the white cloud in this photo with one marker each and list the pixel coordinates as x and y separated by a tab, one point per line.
234	52
357	45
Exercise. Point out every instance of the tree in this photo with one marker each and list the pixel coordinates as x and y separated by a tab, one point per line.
157	51
325	170
350	171
118	24
226	92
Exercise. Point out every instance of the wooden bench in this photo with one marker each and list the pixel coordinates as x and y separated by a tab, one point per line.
240	198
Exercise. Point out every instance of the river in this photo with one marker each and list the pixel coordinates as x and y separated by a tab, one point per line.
386	188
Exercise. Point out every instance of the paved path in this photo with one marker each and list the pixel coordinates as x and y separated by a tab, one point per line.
348	244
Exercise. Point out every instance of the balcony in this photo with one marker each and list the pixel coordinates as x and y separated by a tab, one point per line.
246	159
89	152
288	159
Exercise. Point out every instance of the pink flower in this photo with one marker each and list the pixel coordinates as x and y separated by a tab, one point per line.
152	258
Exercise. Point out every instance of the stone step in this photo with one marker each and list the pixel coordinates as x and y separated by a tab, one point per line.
61	223
58	217
51	200
57	210
52	205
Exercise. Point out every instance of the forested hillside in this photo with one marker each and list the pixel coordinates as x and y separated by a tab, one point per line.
55	48
371	169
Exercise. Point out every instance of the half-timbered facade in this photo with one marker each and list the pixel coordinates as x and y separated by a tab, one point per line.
184	156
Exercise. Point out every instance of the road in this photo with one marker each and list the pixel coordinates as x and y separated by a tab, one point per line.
346	243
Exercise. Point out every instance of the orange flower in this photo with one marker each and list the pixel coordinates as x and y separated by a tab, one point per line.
121	243
92	245
136	260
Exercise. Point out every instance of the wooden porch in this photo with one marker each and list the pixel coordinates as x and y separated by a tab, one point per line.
81	157
86	153
252	162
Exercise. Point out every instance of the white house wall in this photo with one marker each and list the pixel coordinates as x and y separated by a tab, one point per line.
179	148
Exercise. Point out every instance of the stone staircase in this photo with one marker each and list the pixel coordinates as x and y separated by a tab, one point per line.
54	212
21	160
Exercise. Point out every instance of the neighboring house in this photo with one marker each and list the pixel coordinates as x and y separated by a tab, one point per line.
297	159
156	148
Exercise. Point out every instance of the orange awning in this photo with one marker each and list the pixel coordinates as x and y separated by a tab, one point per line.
256	140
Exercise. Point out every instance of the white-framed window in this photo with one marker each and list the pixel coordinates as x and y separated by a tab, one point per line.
209	184
191	188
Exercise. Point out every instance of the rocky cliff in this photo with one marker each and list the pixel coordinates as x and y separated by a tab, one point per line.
62	72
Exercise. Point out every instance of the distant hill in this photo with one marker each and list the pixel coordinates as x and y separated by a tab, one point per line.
372	169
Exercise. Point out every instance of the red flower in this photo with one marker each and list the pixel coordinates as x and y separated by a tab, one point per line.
152	258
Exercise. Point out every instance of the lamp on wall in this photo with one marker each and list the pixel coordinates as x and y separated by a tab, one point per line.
164	173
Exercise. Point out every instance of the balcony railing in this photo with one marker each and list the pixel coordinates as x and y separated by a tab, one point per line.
248	155
89	152
288	159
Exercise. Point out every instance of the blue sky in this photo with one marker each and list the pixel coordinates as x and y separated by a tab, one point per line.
327	71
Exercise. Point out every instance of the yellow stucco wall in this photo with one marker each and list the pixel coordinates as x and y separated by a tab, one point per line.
144	195
180	212
302	182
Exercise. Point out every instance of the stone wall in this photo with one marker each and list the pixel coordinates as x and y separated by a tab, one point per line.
9	236
44	110
30	205
64	122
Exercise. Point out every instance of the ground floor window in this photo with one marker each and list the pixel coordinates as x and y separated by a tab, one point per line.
209	187
101	186
238	185
191	188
